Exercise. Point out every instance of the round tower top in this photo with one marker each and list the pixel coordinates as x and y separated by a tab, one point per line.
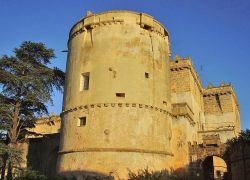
92	20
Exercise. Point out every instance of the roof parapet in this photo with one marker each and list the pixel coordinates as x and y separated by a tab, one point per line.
179	63
223	88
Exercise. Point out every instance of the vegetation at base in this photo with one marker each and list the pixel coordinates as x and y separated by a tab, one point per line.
144	174
30	175
97	177
147	174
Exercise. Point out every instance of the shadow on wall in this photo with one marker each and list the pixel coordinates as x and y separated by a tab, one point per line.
144	174
42	154
240	162
85	175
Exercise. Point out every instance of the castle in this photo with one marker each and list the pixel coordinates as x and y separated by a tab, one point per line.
128	106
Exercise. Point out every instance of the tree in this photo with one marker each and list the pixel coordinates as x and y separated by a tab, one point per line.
237	144
26	85
240	141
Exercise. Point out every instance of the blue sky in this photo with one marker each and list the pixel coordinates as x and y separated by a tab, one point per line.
216	34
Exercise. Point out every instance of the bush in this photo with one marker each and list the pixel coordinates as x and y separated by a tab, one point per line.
85	177
147	174
30	175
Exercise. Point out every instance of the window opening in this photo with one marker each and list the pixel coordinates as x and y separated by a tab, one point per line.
82	121
85	81
120	94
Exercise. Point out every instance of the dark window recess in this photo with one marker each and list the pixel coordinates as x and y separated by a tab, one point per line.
85	81
120	94
83	121
218	173
88	27
146	75
147	27
212	145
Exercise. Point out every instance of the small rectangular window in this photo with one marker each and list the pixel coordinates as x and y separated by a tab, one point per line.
82	121
85	81
120	94
146	75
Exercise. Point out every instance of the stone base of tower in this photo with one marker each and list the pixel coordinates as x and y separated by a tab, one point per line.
116	164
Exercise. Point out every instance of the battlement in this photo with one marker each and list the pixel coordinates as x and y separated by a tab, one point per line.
220	99
179	64
45	126
92	21
222	89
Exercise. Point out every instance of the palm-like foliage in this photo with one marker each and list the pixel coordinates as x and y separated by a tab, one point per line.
26	85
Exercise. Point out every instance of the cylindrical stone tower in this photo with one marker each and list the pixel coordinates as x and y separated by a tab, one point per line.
117	96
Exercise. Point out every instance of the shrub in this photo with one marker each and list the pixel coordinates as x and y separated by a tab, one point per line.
147	174
30	175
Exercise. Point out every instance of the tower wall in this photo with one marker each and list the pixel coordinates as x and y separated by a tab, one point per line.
186	97
221	112
126	106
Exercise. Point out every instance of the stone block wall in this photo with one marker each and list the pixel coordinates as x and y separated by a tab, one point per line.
240	163
218	103
221	112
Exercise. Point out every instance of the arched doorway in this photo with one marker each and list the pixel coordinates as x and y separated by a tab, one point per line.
214	168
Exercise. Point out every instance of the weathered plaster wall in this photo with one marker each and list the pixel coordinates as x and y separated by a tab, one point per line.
182	134
186	92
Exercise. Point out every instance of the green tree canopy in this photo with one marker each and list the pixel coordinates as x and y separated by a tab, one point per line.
240	141
26	85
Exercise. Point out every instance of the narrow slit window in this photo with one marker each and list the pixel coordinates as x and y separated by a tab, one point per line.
85	81
82	121
146	75
120	94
